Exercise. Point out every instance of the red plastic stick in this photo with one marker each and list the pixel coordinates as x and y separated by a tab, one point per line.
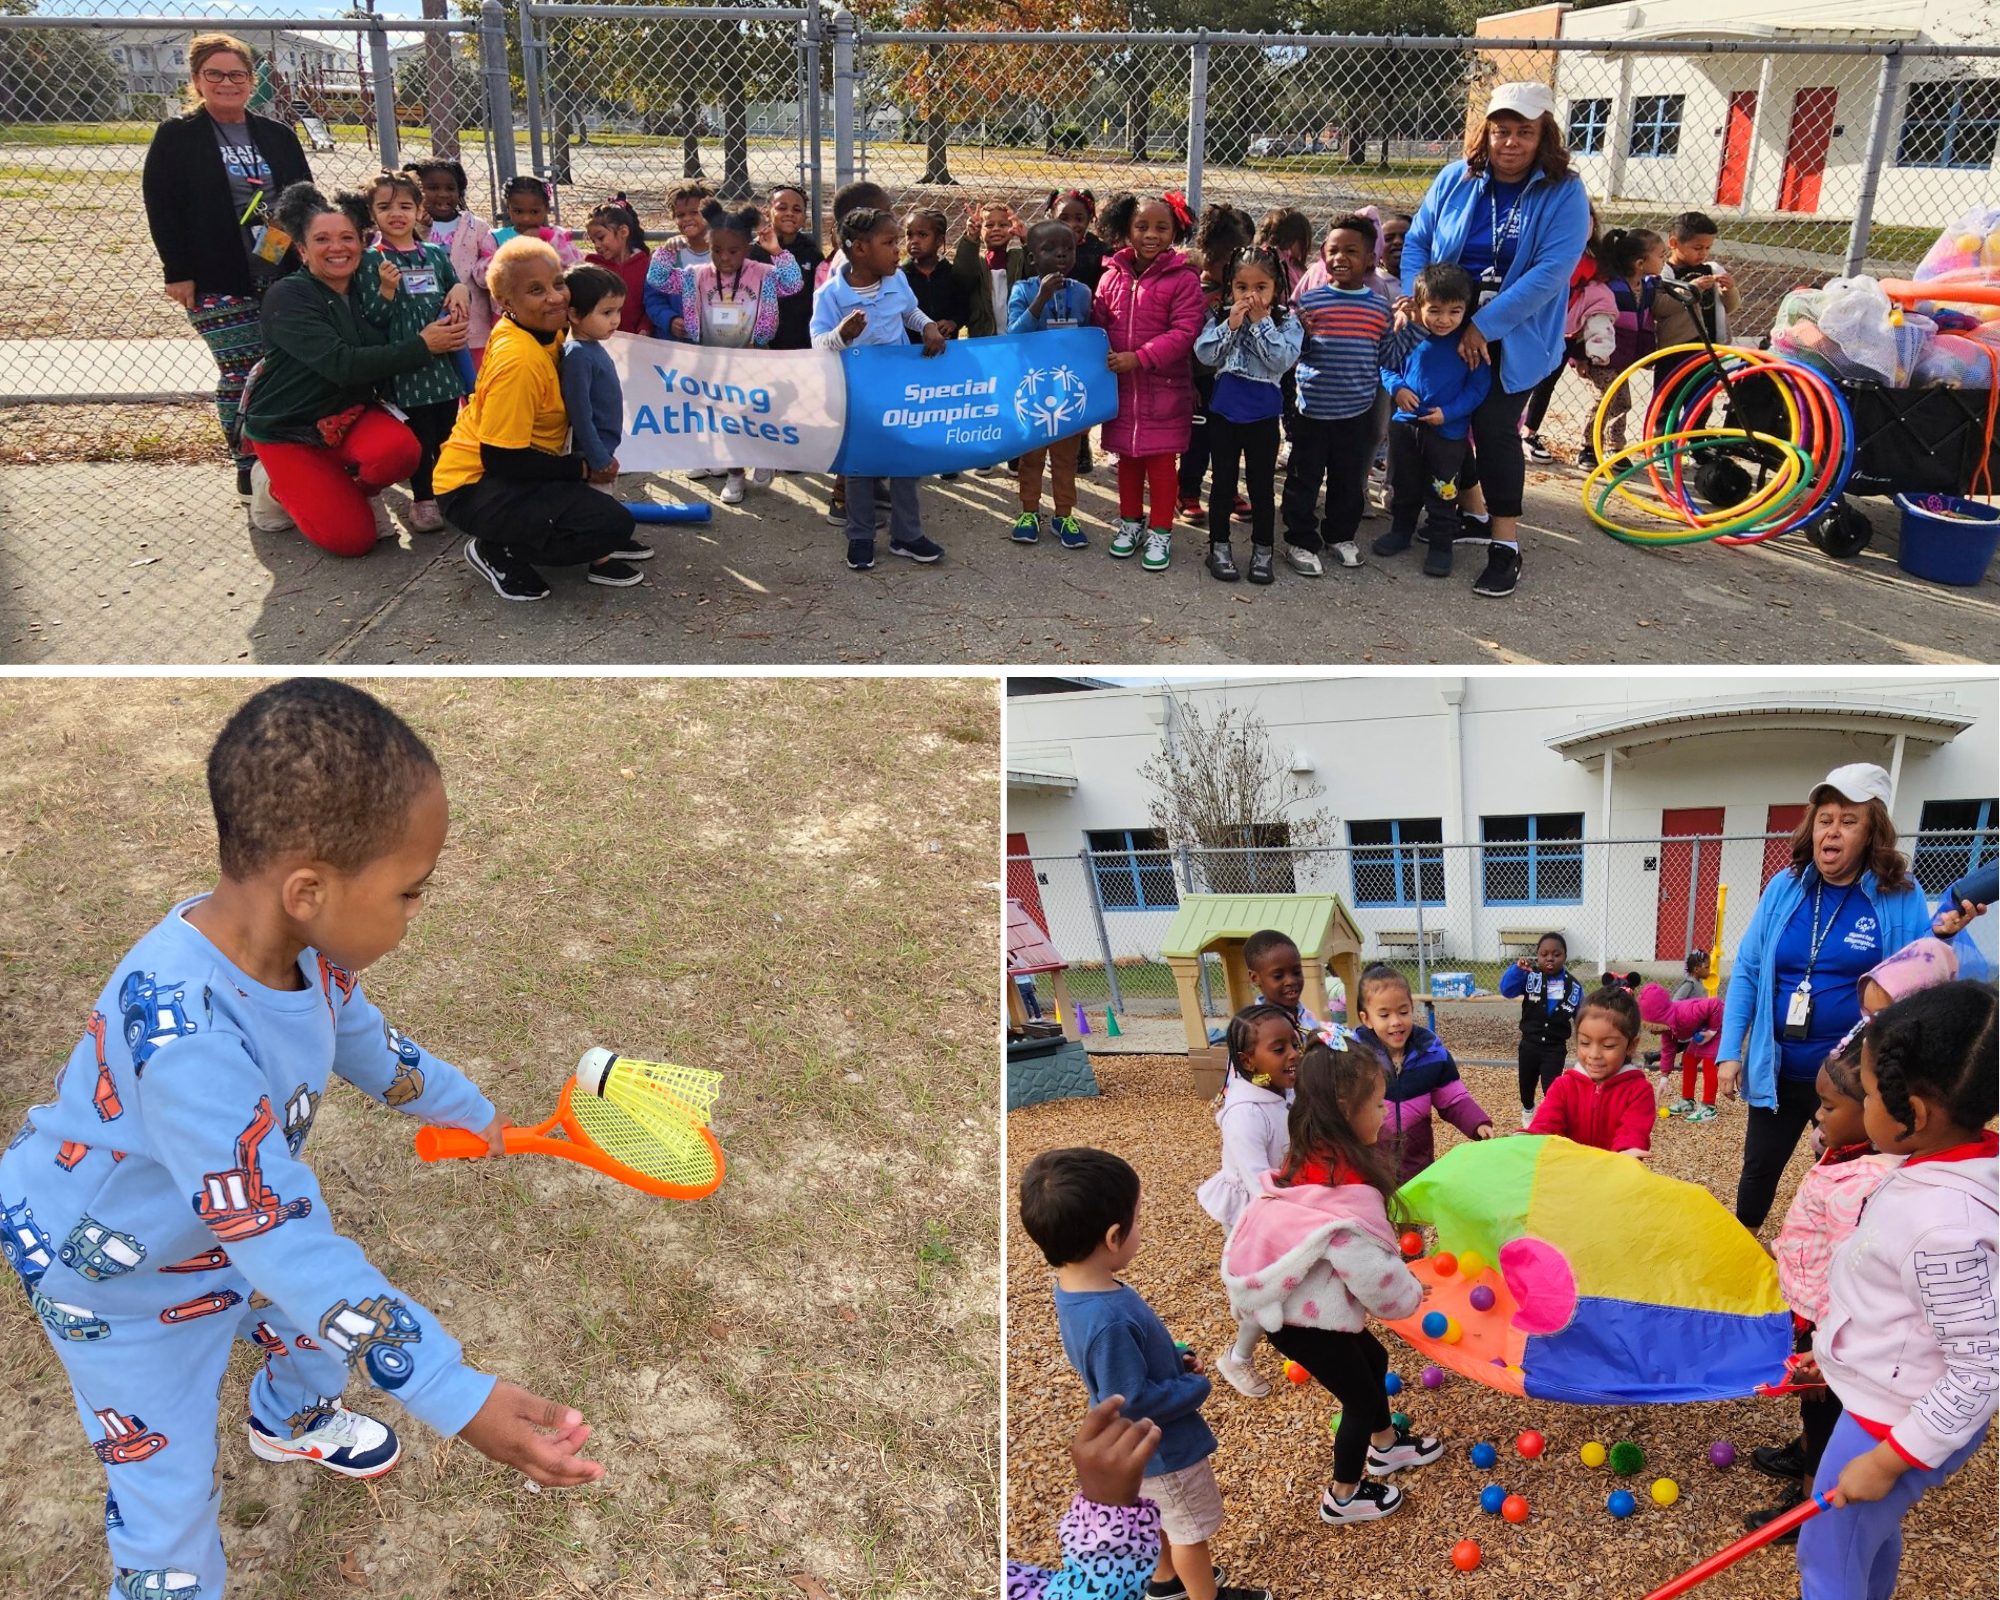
1731	1554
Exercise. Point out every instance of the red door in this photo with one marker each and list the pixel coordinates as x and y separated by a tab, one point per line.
1779	820
1805	149
1736	147
1021	884
1694	866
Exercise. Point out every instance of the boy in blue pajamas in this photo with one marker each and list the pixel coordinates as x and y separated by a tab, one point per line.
163	1186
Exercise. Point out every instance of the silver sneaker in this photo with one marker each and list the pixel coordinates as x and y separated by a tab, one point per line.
1346	553
1305	563
761	476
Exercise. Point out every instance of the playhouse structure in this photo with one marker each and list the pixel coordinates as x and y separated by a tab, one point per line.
1317	923
1029	953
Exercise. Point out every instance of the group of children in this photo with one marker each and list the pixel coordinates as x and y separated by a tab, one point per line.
1245	352
1321	1123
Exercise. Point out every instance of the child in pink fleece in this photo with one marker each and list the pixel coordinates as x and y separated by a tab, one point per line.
1691	1028
1823	1214
1314	1255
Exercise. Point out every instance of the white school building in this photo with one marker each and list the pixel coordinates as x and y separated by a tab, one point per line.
1527	775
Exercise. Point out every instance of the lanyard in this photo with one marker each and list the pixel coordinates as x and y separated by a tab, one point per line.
735	284
1508	223
1818	933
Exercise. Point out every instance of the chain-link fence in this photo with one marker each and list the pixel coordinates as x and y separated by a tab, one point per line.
1450	916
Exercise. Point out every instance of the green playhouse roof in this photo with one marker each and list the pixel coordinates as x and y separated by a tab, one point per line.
1203	918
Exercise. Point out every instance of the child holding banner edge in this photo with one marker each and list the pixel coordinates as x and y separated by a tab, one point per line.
864	301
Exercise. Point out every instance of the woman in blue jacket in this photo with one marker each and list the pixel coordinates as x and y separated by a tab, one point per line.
1517	219
1845	903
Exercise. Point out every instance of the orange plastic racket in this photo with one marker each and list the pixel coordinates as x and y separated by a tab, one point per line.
604	1138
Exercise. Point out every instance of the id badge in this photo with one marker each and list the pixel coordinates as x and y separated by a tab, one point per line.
272	243
727	317
419	280
1798	1014
1486	288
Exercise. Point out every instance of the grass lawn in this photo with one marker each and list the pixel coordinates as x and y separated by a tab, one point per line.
786	879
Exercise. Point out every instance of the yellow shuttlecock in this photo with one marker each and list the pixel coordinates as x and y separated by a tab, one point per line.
640	1087
652	1115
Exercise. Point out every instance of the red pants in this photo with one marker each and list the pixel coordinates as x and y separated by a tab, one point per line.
1141	478
325	488
1707	1064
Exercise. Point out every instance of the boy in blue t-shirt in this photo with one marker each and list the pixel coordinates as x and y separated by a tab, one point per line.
1049	298
1435	394
1082	1208
163	1186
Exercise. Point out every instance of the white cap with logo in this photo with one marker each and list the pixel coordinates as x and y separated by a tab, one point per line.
1526	100
1855	783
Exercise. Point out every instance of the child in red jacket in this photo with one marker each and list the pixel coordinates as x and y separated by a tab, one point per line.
1604	1100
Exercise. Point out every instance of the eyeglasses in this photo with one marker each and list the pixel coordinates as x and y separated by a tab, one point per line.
238	76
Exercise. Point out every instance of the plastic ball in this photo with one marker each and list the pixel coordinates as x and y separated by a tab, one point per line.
1722	1454
1593	1454
1491	1499
1484	1455
1531	1444
1433	1377
1626	1458
1465	1555
1393	1384
1453	1332
1445	1262
1620	1504
1664	1112
1482	1298
1514	1508
1665	1491
1967	243
1471	1263
1412	1243
1297	1373
1433	1324
1400	1421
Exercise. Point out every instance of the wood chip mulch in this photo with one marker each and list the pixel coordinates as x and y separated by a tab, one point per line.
1275	1454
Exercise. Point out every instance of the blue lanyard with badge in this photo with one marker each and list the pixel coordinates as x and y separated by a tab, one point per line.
1799	1009
1505	230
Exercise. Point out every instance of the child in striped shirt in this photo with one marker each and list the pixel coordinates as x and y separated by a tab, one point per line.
1348	328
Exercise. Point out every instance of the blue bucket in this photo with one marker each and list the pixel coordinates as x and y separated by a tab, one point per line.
1946	539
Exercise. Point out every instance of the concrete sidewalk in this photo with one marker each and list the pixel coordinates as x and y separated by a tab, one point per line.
77	371
133	564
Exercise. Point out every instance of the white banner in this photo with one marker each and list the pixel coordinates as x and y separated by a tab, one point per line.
691	405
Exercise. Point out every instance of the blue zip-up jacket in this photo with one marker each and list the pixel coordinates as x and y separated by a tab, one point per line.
1750	1005
892	312
177	1129
1527	313
1434	370
1258	352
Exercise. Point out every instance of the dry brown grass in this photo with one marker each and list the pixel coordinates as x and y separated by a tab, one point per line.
149	434
1275	1454
786	879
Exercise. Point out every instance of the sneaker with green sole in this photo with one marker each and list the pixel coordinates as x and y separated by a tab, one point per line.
1159	549
1125	537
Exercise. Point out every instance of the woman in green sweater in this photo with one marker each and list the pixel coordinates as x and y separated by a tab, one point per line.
325	445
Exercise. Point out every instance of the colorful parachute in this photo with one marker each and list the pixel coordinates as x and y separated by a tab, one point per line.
1611	1284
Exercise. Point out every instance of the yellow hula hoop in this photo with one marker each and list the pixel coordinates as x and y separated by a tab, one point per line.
1793	464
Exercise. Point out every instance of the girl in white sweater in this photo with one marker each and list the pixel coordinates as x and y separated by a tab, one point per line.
1263	1045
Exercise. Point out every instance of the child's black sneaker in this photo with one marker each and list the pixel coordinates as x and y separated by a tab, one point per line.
243	481
1368	1502
1409	1450
1221	563
1757	1519
615	574
1174	1589
860	554
1437	558
1780	1460
920	549
1394	542
1537	451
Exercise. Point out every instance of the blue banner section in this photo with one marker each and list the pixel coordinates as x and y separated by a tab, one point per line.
984	400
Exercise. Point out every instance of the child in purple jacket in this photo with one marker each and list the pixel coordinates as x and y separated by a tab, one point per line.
1420	1075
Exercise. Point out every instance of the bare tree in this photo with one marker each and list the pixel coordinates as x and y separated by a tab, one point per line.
1220	785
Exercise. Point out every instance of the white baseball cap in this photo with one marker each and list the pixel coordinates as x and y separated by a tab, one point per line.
1528	100
1857	782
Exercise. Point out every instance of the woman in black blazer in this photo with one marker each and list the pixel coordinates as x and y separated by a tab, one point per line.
208	175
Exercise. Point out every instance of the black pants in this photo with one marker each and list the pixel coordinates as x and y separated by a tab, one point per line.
547	524
1495	462
1256	444
1337	450
1543	392
1423	479
1352	1367
1539	1064
432	425
1768	1143
1194	459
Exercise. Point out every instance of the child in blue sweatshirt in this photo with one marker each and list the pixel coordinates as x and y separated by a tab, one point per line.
1434	393
591	392
163	1186
1049	298
1081	1207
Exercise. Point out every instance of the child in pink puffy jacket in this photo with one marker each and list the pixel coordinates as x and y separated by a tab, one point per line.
1689	1028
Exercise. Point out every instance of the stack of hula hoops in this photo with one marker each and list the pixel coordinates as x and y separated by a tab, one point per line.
1804	470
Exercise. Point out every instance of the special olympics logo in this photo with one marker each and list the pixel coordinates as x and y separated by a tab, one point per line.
1050	399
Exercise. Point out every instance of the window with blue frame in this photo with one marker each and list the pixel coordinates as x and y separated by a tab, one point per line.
1389	866
1134	869
1532	861
1589	126
1954	122
1953	837
1656	125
